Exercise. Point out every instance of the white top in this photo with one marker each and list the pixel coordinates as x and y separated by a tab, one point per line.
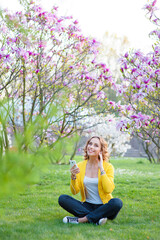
91	190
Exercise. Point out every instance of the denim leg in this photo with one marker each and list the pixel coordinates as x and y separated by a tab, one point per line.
117	204
73	206
108	210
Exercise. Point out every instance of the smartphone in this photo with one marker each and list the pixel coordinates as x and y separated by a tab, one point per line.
72	163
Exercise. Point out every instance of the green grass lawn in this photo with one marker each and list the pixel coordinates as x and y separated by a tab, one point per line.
35	213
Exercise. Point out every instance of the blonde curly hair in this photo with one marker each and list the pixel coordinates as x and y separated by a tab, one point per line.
104	149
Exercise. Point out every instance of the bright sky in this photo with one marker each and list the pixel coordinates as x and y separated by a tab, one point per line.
123	17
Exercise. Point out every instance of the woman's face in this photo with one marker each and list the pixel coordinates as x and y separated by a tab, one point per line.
94	147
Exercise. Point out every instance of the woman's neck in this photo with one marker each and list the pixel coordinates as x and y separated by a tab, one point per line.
92	168
93	161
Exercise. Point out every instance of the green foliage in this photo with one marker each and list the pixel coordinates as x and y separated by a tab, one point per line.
35	214
18	169
22	163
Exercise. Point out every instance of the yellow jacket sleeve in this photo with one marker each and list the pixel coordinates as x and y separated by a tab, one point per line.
75	185
107	180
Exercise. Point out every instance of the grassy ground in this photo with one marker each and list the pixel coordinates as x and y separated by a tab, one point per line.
36	215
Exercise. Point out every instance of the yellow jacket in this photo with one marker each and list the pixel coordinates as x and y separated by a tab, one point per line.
105	182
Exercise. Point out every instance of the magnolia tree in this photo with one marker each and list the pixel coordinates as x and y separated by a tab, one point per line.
140	89
48	74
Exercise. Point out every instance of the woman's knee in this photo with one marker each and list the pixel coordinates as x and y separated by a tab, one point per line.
62	199
117	203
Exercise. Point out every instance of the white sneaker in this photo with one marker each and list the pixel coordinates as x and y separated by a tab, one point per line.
102	221
73	220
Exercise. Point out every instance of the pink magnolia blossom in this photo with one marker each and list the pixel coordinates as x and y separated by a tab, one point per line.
75	22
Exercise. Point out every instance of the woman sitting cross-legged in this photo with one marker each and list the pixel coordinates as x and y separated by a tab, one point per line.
94	178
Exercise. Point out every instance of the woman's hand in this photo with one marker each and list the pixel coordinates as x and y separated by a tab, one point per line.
74	171
100	162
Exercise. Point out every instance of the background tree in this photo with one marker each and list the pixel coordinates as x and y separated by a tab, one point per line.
49	73
140	88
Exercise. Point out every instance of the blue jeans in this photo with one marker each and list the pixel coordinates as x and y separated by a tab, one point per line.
93	212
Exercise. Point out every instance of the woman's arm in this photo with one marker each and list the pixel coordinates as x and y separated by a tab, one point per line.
107	179
75	180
